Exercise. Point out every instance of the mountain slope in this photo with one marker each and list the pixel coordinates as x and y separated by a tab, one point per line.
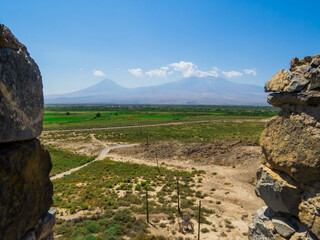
210	90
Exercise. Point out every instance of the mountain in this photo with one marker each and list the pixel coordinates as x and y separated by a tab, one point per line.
193	90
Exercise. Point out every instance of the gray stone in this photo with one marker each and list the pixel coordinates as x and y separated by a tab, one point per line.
284	227
285	82
315	79
301	98
30	236
21	98
278	191
315	63
25	187
262	227
46	224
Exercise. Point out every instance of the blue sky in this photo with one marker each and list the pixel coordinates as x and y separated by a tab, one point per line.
142	42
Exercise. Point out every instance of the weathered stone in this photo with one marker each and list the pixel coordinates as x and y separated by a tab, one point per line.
21	98
286	81
30	236
25	187
289	183
309	208
284	227
262	227
301	98
290	142
46	224
8	40
278	191
315	79
306	235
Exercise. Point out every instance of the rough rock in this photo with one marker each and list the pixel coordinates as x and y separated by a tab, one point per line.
304	99
290	142
21	97
286	81
25	187
46	224
262	227
309	213
8	40
284	227
278	191
306	235
303	76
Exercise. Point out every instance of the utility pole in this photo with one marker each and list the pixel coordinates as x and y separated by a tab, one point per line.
199	220
178	193
148	138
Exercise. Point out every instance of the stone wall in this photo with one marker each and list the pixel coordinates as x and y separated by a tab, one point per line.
25	186
289	179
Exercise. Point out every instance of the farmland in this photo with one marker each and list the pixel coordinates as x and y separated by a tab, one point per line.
77	117
210	152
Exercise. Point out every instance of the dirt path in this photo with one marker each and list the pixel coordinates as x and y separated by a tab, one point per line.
102	155
158	124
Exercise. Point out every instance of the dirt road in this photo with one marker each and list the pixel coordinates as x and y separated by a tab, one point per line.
102	155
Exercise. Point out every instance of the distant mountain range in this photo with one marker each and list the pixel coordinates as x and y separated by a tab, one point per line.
193	90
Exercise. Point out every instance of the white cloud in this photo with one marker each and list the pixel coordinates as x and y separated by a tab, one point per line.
162	72
98	73
232	74
188	69
137	72
251	71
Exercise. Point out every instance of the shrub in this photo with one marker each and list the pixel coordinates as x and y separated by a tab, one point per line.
163	225
205	230
93	227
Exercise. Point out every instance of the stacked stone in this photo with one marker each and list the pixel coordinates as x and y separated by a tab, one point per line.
25	186
289	179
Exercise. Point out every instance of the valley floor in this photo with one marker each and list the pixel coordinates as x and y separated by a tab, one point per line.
225	183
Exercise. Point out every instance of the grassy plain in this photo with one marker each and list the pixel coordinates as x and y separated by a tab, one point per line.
64	160
110	186
114	192
77	117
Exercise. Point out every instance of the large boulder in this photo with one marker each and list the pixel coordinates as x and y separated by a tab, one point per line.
21	97
278	191
303	75
25	187
290	142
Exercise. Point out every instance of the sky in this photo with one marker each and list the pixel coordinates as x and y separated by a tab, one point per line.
78	43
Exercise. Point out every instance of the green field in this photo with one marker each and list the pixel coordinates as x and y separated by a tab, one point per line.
196	132
64	160
77	117
110	186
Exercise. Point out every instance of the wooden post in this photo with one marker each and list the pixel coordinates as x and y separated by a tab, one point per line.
147	203
199	220
157	162
148	138
178	192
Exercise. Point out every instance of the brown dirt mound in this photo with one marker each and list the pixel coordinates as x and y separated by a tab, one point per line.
223	153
